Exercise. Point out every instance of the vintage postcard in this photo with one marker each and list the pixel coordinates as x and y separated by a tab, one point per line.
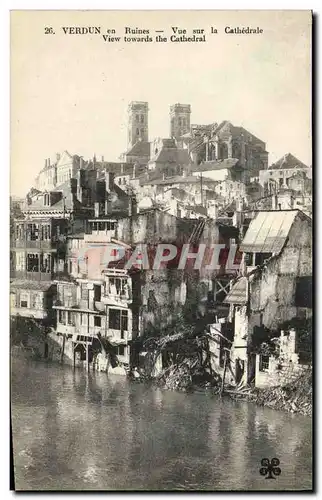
161	250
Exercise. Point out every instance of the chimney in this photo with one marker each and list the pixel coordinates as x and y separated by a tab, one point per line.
81	162
239	204
109	180
108	207
48	165
57	156
132	205
274	202
45	162
102	159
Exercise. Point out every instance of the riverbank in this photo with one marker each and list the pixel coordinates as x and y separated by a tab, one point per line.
294	397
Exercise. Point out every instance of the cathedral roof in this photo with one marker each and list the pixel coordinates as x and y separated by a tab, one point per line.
287	161
140	148
215	165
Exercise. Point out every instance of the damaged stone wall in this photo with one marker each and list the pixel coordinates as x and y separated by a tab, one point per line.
272	291
152	227
283	369
163	296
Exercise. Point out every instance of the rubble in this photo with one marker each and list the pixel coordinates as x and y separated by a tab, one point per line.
294	397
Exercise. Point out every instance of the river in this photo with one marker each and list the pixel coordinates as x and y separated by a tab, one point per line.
78	431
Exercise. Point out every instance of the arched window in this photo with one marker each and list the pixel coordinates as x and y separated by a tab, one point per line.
223	151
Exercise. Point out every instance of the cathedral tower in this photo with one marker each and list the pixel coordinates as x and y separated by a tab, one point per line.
179	120
138	122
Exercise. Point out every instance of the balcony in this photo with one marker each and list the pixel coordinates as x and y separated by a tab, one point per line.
100	236
38	244
32	276
67	304
119	299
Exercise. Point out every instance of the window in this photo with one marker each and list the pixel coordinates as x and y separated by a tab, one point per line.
70	318
142	118
97	293
137	132
45	263
24	298
20	261
32	232
261	257
263	363
84	292
13	300
97	321
118	319
45	232
121	350
36	301
117	286
142	132
61	317
33	262
137	118
124	321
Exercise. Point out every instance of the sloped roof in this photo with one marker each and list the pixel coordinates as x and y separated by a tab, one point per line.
31	285
235	131
179	179
238	293
215	165
268	231
140	148
172	155
65	203
287	161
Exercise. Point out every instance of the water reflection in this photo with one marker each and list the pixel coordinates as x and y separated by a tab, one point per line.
73	430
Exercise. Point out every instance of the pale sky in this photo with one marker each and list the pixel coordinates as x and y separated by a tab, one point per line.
71	91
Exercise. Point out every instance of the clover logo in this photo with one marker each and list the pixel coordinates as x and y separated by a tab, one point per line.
270	468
